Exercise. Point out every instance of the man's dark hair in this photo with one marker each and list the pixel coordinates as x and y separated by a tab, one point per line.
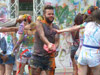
47	7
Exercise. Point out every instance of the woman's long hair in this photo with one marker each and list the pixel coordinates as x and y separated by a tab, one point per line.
96	16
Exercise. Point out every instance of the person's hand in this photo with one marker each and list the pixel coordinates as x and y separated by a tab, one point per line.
57	31
14	52
4	58
20	19
50	47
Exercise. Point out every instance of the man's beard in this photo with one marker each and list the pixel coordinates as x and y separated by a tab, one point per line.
48	21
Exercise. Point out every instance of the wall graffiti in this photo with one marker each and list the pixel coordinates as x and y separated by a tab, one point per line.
98	3
3	9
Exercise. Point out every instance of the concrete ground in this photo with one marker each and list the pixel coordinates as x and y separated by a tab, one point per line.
68	71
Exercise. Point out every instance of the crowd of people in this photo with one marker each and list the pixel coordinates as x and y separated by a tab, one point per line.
35	43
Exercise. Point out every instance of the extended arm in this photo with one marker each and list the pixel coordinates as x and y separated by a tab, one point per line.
71	29
9	29
18	42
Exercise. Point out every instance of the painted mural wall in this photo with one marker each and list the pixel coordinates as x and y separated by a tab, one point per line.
65	11
4	9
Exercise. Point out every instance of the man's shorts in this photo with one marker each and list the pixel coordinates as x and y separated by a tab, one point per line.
11	60
89	56
44	63
52	59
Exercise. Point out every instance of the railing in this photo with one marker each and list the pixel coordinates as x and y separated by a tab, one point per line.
37	8
14	8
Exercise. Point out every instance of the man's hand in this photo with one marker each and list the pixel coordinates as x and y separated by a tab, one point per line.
4	58
50	46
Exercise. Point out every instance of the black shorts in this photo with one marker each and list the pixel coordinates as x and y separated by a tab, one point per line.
40	62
